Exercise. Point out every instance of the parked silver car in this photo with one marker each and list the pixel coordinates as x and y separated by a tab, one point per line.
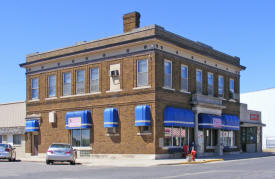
61	153
7	152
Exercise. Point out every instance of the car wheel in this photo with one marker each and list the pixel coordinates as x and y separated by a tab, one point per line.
72	162
9	159
48	162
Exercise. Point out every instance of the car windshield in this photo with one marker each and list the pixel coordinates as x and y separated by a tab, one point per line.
3	146
60	146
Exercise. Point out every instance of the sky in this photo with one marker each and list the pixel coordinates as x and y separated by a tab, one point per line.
239	28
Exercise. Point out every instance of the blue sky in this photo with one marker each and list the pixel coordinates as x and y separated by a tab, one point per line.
240	28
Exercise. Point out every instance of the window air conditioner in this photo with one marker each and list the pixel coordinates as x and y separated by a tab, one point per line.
114	73
52	117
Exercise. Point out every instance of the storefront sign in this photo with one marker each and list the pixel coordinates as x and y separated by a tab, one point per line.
74	122
217	123
254	117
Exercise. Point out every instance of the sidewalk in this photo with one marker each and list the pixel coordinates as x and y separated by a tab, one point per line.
149	162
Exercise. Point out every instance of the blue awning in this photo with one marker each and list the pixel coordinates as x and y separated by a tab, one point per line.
32	125
179	117
78	120
110	117
210	121
230	122
142	115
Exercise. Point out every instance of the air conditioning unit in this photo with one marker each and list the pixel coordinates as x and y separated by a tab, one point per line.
52	117
114	73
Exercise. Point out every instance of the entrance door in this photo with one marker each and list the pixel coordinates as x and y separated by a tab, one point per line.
34	144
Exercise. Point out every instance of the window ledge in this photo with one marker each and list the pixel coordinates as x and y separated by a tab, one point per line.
33	100
113	91
167	88
108	134
93	93
171	147
141	87
51	98
232	100
144	133
183	91
82	148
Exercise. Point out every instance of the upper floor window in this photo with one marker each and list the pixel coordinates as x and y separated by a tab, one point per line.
184	78
231	88
167	74
80	81
52	85
94	77
220	89
210	82
142	72
199	81
34	87
66	83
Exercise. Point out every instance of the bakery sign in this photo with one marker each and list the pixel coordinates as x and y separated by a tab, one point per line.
217	123
74	122
254	117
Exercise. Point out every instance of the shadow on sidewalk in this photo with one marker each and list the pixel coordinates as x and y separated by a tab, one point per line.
240	156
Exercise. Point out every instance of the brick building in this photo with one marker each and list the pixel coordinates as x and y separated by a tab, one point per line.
146	92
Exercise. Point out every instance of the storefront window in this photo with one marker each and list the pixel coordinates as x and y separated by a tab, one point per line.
211	137
0	139
175	137
16	139
81	137
228	138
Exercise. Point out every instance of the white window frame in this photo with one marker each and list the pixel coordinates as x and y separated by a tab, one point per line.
139	85
200	92
219	94
171	75
35	88
92	80
63	82
185	66
78	83
209	73
49	86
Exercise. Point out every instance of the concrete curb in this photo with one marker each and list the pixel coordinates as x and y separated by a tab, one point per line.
203	161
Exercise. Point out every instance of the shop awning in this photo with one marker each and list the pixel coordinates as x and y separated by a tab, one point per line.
210	121
32	125
110	117
142	115
230	122
179	117
78	120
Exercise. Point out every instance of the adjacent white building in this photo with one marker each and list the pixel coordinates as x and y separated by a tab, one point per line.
264	101
12	126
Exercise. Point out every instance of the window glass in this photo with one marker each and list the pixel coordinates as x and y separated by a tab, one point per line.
94	76
66	83
1	140
142	72
220	90
81	137
174	136
16	139
210	83
34	83
80	81
228	138
199	81
52	83
184	78
167	74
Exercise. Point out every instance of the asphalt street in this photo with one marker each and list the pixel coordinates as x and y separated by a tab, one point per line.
262	167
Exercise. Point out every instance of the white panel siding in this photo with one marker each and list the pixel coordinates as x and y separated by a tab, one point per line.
12	114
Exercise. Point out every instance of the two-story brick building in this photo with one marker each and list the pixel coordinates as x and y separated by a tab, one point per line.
146	93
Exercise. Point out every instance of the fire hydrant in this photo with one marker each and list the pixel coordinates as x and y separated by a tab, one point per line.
193	153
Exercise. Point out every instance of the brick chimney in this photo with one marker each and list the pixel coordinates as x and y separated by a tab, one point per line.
131	21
